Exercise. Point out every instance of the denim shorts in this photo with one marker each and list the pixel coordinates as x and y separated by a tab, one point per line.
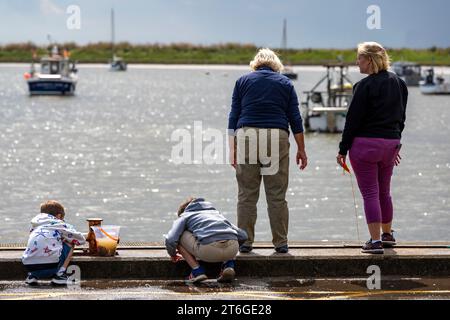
52	269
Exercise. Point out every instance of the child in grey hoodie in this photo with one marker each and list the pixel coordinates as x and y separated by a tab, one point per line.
202	233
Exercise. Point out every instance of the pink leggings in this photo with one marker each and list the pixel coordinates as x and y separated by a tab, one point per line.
372	160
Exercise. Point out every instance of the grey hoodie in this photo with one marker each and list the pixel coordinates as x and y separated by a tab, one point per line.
206	223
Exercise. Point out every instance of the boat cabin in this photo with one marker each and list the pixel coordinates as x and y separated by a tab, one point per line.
410	72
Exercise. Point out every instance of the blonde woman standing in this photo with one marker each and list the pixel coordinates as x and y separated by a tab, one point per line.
264	103
372	134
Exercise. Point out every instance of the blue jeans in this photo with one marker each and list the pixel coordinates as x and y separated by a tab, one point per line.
35	271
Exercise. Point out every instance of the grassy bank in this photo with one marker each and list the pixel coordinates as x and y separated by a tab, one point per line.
230	53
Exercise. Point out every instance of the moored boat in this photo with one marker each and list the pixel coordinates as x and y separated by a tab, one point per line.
325	111
117	63
288	71
431	86
409	72
56	76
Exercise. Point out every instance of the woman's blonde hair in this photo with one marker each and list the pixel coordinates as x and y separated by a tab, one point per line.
377	54
266	58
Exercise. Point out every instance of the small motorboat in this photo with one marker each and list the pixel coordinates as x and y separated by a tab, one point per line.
117	64
57	75
409	72
431	86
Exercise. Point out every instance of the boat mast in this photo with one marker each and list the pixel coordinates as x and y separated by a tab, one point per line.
284	39
113	35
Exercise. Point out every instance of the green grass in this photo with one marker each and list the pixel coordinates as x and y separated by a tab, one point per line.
230	53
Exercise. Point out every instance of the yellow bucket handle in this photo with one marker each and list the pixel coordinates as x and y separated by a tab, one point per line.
108	235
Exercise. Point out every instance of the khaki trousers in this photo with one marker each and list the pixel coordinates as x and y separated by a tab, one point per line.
249	181
219	251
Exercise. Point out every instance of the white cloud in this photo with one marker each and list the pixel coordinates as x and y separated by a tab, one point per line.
48	7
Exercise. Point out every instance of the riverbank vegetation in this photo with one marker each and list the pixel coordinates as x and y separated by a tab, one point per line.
228	53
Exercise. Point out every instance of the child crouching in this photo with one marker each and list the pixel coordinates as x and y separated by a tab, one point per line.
202	233
50	245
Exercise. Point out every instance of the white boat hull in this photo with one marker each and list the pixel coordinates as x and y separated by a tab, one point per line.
435	89
326	122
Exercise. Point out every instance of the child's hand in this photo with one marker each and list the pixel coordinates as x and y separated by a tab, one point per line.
176	258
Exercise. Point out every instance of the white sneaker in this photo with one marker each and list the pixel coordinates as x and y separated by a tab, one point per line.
31	280
60	280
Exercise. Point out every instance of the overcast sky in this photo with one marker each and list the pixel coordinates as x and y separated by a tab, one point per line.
311	23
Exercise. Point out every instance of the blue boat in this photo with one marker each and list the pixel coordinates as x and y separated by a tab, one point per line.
57	76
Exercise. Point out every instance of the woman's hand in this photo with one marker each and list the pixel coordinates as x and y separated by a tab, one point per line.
397	160
302	159
233	158
232	148
341	160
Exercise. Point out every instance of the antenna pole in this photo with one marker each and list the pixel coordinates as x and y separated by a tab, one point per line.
284	40
113	35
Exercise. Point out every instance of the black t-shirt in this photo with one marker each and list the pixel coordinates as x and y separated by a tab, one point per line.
377	110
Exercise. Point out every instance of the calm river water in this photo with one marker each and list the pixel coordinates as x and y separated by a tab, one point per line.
107	152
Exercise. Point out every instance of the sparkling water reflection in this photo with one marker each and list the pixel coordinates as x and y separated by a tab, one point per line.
107	152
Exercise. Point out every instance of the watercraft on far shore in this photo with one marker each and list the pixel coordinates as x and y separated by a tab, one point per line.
117	63
288	71
431	86
409	72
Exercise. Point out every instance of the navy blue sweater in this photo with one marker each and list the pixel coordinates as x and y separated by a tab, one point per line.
378	109
265	99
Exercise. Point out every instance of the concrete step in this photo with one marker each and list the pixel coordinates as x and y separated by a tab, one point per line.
303	260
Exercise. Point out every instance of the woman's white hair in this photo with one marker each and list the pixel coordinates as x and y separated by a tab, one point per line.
377	54
266	58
